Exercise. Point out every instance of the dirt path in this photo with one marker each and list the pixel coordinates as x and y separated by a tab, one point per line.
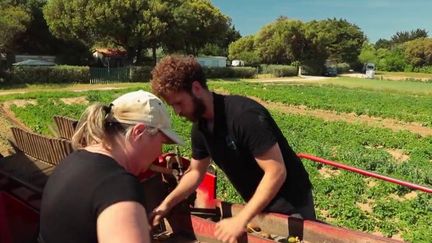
389	77
7	120
5	133
296	79
8	92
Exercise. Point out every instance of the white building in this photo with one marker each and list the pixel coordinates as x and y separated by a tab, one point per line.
212	61
20	58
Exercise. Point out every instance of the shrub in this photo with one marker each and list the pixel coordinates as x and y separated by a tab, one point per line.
56	74
313	69
229	72
279	70
140	73
342	67
424	69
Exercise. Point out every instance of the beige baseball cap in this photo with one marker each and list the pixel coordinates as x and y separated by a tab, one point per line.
144	107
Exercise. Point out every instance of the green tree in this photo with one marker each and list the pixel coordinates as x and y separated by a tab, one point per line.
221	48
196	23
155	25
38	40
315	52
401	37
342	40
383	43
137	25
281	42
405	36
392	60
121	23
13	21
368	53
244	49
418	52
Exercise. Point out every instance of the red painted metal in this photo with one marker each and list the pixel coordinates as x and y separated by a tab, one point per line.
163	161
18	222
309	231
14	214
365	172
206	192
182	223
203	229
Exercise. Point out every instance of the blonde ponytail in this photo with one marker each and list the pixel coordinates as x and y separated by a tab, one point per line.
91	127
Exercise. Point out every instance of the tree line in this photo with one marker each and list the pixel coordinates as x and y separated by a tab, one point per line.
148	28
293	42
55	26
405	51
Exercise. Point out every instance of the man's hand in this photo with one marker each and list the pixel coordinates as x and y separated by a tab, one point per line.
158	214
229	230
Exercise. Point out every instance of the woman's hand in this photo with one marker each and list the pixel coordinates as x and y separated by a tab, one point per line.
158	214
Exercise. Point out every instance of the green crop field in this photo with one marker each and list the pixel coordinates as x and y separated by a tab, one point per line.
342	198
406	107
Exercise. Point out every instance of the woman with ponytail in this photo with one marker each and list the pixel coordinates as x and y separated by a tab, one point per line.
94	194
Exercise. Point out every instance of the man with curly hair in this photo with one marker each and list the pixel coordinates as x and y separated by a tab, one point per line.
242	138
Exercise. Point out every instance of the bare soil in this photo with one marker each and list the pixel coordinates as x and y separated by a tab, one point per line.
5	135
408	196
328	172
366	207
398	155
6	122
75	100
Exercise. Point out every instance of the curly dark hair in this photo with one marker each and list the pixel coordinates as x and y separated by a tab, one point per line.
176	73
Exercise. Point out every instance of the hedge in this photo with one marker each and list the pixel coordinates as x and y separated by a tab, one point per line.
279	70
230	72
342	67
76	74
55	74
140	73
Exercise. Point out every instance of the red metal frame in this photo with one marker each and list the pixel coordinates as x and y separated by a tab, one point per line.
275	224
206	192
203	229
365	172
18	221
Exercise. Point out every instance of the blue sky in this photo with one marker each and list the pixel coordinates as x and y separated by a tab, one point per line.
376	18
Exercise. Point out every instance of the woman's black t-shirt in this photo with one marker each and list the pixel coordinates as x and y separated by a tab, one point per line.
80	188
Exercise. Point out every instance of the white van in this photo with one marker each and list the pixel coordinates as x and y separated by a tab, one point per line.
237	63
370	70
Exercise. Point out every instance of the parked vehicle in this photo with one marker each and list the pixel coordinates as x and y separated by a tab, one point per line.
330	71
237	63
369	70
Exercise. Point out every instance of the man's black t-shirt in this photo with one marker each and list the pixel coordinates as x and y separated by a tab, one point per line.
80	188
244	129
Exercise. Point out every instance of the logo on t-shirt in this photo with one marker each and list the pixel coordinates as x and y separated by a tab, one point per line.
230	142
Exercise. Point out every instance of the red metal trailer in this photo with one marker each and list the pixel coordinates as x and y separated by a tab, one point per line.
19	205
